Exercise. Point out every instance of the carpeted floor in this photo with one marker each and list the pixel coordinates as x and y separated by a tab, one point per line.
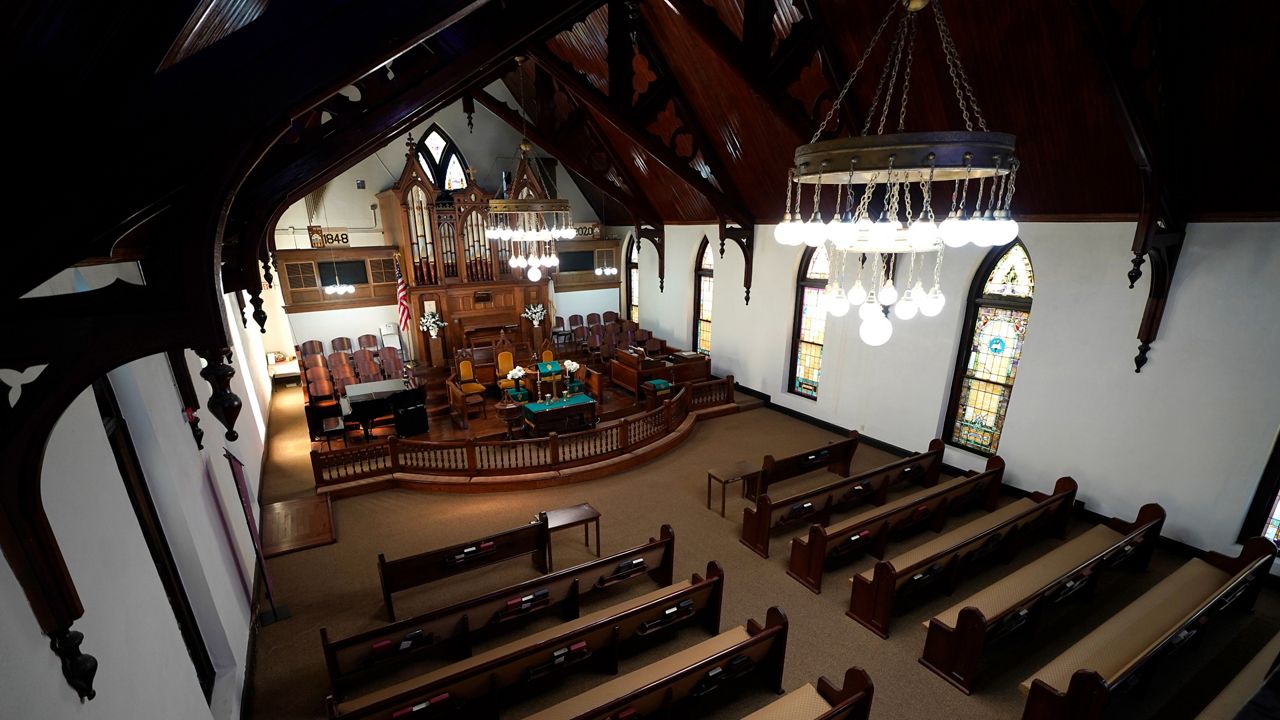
336	586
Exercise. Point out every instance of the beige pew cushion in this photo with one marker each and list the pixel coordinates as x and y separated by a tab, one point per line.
1236	695
1011	590
800	704
955	537
905	501
489	655
618	687
1128	634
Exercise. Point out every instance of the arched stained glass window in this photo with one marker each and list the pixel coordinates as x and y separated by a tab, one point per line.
810	323
442	160
703	282
995	327
633	280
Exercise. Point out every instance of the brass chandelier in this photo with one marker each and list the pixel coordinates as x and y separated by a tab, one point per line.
884	187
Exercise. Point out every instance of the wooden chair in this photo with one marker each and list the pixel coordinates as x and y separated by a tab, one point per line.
506	363
610	317
593	348
388	353
466	378
343	371
317	373
341	344
575	321
339	359
313	361
558	324
368	372
593	319
364	355
321	389
368	342
313	347
580	337
340	385
392	368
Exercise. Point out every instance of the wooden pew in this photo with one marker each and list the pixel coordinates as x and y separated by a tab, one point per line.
1241	691
479	686
410	572
848	491
1079	682
943	560
852	702
835	457
455	628
676	685
957	636
870	531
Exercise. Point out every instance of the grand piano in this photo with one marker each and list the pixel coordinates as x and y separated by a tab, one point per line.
369	402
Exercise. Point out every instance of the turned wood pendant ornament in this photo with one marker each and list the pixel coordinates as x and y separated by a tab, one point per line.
259	315
266	272
78	668
224	404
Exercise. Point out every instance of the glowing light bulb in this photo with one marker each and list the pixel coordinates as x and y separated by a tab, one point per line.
599	271
952	231
888	293
815	233
553	260
570	232
785	230
533	274
863	224
870	308
857	293
886	230
922	234
842	234
906	308
519	261
837	302
932	303
512	262
876	331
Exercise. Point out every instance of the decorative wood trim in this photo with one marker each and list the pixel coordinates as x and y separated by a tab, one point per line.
745	238
657	237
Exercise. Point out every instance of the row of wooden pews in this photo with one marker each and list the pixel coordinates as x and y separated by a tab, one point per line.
482	685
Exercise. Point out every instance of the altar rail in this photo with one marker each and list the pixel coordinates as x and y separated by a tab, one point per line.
488	458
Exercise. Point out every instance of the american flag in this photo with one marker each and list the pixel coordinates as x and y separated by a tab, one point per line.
402	298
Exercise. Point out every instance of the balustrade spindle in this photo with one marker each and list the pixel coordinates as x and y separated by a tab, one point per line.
553	448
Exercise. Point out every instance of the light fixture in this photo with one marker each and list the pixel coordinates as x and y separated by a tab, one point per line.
529	227
605	270
897	170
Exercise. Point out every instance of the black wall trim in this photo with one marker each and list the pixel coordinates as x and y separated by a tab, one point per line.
251	657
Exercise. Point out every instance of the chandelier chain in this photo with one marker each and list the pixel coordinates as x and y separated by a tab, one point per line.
890	68
791	178
831	113
926	191
906	78
958	76
1014	164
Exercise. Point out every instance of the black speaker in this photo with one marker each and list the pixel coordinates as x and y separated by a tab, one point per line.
410	413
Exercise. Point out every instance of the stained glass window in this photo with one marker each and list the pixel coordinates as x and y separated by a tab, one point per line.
811	323
703	280
999	312
442	160
633	280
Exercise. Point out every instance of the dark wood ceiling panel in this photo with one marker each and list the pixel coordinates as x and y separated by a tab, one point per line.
670	195
585	46
753	143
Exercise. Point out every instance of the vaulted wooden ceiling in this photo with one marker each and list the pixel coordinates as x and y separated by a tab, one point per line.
694	107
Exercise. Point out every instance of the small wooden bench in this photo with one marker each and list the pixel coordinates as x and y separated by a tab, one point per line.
1079	682
870	531
685	678
943	560
957	636
824	702
1237	695
832	458
409	572
454	629
478	685
818	504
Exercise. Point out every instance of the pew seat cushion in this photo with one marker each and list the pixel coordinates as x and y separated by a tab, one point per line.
893	506
363	701
1011	590
1241	690
964	532
647	675
1130	633
803	702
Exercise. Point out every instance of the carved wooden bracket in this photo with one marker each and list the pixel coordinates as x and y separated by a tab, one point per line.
657	237
745	239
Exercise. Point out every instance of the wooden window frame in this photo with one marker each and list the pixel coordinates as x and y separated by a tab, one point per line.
802	281
973	302
628	266
698	273
1255	519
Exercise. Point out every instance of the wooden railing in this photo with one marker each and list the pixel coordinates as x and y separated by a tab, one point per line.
510	457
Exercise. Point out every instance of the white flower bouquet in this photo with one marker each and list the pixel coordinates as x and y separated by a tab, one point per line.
431	323
570	366
535	313
516	373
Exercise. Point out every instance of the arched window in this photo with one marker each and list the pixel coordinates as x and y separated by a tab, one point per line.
810	323
633	279
703	281
443	161
995	326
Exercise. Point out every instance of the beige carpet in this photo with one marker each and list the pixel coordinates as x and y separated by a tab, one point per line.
337	586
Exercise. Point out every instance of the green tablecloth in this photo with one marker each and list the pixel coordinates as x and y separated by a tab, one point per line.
537	407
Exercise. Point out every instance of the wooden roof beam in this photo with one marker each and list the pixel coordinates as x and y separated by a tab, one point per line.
573	83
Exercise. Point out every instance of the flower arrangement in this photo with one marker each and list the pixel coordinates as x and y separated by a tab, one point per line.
570	366
431	323
535	313
516	373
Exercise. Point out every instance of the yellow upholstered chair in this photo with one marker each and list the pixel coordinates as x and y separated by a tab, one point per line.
467	379
548	356
506	363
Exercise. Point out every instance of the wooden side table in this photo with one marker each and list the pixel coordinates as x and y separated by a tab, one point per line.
726	475
573	516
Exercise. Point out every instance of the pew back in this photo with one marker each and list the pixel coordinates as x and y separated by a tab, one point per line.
835	457
423	568
851	702
457	626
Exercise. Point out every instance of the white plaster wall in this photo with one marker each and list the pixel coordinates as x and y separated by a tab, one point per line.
324	325
1192	431
582	302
